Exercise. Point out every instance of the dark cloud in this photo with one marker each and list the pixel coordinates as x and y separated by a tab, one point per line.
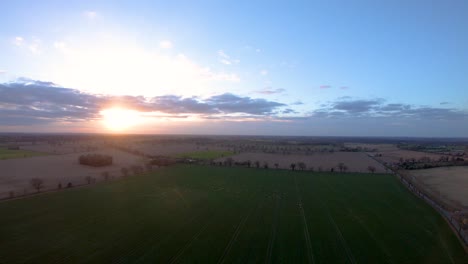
289	111
357	106
297	103
230	103
325	86
269	90
177	104
444	103
376	108
27	101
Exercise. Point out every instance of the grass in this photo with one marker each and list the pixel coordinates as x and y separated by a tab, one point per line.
15	154
196	214
205	155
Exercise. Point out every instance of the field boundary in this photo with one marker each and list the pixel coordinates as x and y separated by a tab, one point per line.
442	208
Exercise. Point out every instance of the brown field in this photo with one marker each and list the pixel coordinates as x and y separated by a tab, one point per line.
379	147
356	162
17	173
393	156
450	182
65	148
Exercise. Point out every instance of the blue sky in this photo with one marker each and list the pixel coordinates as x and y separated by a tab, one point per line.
391	68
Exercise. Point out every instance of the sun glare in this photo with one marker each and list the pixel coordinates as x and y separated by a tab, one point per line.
120	119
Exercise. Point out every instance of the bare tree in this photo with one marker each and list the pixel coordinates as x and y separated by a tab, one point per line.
265	165
276	165
37	184
88	179
124	171
302	165
345	168
341	166
371	169
257	164
292	166
105	175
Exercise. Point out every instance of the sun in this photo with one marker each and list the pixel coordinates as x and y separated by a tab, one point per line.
120	119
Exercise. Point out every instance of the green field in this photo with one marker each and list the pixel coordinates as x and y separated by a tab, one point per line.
196	214
15	154
205	155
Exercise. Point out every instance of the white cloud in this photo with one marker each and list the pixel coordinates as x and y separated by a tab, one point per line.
226	59
264	72
2	71
222	54
18	41
165	44
226	62
90	14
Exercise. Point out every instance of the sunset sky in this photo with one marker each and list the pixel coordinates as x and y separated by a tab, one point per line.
331	68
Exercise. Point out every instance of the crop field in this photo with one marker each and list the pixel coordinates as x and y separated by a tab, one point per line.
204	155
15	154
449	182
16	174
198	214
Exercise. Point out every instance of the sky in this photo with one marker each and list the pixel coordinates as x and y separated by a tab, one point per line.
309	68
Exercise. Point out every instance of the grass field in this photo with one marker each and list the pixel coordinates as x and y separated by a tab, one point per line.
15	154
206	155
196	214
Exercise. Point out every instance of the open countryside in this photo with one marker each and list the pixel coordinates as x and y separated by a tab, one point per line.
191	213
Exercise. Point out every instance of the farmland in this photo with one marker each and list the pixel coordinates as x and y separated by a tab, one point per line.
449	182
215	214
14	154
204	155
54	169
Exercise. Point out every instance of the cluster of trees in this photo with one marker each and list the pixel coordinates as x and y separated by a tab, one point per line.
95	160
163	161
426	162
293	166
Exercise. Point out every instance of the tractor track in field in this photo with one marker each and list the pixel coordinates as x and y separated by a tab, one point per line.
189	243
234	236
310	253
345	245
274	227
167	237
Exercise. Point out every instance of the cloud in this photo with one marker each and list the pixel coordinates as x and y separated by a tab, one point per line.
90	14
165	44
444	103
269	90
45	102
226	59
3	71
32	45
325	86
230	103
289	111
18	41
378	108
297	103
344	87
263	72
356	106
